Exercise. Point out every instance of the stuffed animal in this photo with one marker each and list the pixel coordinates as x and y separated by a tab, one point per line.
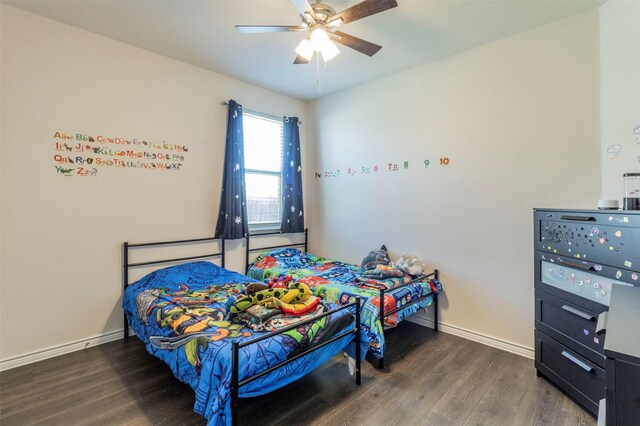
254	288
281	281
375	258
382	272
295	293
409	264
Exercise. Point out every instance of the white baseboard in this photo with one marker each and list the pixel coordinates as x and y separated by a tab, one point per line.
20	360
476	337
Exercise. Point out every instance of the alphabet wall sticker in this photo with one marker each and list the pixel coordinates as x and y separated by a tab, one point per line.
80	154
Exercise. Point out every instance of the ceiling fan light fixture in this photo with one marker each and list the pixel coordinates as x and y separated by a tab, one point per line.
329	51
319	39
305	49
321	43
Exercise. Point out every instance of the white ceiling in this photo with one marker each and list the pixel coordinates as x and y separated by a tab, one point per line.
201	32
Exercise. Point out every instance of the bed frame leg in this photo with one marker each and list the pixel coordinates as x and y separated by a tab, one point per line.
435	312
234	383
435	305
125	282
381	360
357	340
246	253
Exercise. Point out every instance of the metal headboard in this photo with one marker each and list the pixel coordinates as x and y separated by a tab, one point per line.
126	265
249	250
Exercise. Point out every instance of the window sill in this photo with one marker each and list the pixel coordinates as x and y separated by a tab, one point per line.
264	227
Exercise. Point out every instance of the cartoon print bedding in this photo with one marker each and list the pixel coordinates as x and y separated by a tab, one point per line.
339	282
181	314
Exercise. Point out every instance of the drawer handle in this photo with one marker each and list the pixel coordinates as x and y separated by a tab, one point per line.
578	312
586	367
579	265
579	218
601	326
602	412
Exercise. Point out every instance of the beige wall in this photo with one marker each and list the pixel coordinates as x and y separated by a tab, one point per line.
61	236
619	92
518	119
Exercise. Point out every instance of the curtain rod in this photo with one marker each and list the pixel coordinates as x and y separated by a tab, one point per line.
257	112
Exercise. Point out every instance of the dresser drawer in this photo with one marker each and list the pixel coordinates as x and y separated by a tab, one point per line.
587	284
579	377
608	238
571	325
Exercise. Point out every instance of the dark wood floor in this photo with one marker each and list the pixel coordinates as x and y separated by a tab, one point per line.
431	379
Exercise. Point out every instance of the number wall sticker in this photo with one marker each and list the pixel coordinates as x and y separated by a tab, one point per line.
328	174
365	170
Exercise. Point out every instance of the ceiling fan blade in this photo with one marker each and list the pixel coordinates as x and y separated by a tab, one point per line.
305	10
300	60
361	10
356	43
266	28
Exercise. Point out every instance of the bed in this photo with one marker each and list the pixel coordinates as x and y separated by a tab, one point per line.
180	312
341	283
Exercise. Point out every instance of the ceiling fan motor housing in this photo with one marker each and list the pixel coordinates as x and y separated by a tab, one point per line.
323	12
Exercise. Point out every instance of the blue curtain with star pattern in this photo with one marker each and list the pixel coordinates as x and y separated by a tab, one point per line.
292	214
232	220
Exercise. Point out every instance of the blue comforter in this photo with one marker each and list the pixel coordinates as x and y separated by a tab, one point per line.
193	299
339	282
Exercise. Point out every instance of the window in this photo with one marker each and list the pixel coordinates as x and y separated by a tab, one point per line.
263	169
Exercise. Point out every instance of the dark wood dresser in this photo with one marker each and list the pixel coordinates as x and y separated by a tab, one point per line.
580	257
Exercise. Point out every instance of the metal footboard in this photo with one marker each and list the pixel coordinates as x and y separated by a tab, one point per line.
236	346
383	314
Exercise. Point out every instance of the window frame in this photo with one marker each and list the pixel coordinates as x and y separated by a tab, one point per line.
267	226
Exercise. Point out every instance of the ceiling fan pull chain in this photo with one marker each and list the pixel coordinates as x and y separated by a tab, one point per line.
318	70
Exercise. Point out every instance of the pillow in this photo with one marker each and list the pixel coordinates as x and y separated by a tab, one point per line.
376	257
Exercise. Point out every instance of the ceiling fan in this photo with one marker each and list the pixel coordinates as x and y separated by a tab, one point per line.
322	22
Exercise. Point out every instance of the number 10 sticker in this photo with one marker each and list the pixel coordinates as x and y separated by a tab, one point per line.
444	161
